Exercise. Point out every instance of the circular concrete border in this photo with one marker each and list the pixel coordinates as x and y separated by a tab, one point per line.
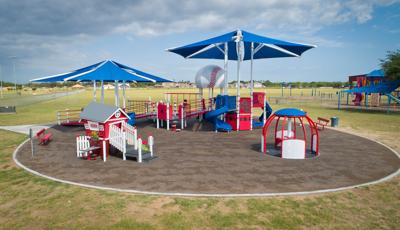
388	177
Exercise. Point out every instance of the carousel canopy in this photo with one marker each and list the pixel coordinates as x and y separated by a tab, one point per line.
290	112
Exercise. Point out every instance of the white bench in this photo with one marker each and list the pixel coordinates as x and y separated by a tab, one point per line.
83	148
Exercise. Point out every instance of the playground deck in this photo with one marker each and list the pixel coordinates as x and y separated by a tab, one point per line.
207	162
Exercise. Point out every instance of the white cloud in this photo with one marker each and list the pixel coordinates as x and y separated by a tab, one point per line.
40	32
307	16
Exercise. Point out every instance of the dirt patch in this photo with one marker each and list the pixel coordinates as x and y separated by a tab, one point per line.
209	162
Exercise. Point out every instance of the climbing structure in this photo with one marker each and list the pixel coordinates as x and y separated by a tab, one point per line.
288	140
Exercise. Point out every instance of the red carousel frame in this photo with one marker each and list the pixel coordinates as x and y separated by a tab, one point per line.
290	114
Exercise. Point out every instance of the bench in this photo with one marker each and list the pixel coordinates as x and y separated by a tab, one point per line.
85	149
43	137
89	152
321	123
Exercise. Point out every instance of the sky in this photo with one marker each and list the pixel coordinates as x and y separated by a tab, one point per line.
47	37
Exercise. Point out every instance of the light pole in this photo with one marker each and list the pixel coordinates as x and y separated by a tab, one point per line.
15	79
1	84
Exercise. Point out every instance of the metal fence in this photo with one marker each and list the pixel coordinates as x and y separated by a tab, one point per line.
22	100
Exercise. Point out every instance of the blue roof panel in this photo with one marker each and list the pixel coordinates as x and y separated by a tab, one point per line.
376	73
381	87
290	112
266	47
104	71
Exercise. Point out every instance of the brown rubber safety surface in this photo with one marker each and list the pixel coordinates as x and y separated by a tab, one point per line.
206	162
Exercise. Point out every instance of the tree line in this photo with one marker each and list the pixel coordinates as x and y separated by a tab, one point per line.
267	83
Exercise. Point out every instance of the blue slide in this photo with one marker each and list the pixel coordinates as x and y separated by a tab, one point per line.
393	97
223	104
132	118
218	124
259	123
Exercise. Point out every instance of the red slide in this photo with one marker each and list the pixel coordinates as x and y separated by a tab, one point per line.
358	99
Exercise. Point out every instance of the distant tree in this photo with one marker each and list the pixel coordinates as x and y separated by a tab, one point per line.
267	83
391	65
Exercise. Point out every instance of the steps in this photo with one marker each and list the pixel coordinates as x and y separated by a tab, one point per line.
131	152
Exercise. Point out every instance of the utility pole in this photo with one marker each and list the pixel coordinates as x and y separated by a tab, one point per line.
1	84
15	79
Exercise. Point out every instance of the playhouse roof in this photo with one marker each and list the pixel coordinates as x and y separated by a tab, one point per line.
99	112
290	112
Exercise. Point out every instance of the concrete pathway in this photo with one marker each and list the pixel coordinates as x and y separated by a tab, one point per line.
24	129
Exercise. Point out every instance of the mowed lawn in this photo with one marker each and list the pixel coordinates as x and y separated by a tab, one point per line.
30	202
45	112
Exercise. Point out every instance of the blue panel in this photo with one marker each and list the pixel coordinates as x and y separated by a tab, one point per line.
226	101
381	87
104	71
290	112
157	79
376	73
205	49
61	77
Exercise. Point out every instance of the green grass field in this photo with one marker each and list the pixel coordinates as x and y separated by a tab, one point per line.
44	112
30	202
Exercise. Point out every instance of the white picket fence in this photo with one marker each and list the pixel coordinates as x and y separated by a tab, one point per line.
117	138
127	135
131	134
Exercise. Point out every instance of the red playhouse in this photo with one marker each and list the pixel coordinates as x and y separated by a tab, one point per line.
98	118
287	139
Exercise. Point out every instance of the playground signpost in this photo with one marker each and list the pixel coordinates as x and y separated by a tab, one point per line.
31	139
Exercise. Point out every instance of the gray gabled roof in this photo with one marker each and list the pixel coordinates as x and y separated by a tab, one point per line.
99	112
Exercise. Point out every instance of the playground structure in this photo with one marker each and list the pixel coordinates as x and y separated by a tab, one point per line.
108	125
369	88
226	105
286	138
111	124
178	108
125	139
221	110
362	80
383	88
141	109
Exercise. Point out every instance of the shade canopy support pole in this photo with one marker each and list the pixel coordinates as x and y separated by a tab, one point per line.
226	68
123	95
116	94
238	84
102	92
94	90
1	85
251	86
